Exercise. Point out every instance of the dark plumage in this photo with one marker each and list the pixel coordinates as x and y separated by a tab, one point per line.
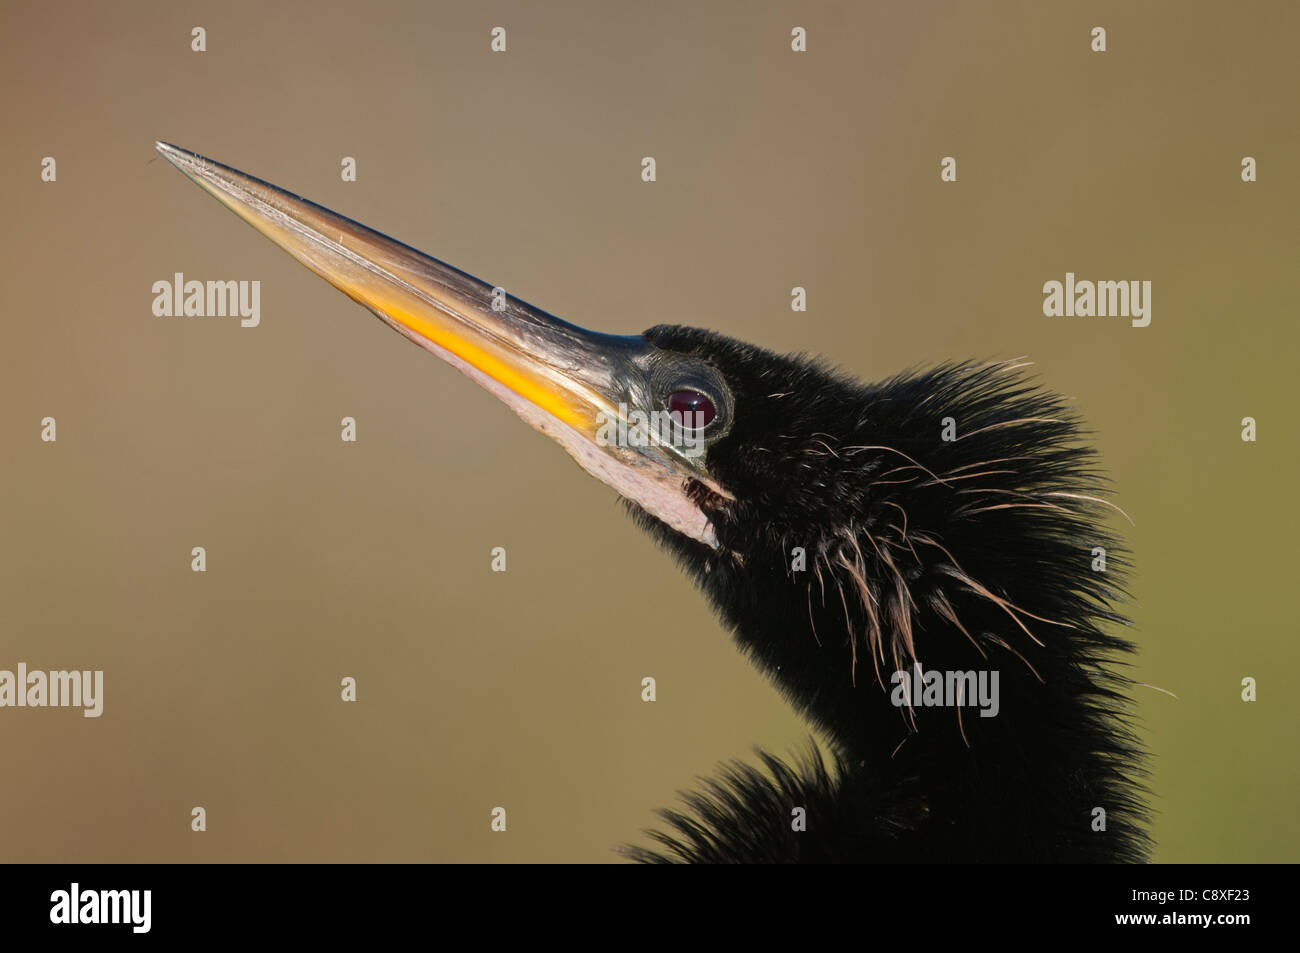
965	555
970	554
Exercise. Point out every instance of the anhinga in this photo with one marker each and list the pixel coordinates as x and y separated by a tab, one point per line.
944	521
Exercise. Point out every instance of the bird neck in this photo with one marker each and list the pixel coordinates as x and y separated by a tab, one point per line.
988	733
864	540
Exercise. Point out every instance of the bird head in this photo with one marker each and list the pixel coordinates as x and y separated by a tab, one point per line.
846	532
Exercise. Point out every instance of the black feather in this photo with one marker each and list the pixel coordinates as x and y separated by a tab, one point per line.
966	554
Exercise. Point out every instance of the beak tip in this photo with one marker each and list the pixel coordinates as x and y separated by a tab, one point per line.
186	161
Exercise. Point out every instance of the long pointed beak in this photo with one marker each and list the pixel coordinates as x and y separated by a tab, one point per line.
558	367
564	380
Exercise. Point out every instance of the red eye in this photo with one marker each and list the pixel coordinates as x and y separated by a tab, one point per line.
692	408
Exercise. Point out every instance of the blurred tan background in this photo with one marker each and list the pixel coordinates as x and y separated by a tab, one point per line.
775	169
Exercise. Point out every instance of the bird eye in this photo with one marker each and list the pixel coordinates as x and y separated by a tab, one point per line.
694	409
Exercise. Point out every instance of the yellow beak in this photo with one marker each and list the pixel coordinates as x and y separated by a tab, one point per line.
567	382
